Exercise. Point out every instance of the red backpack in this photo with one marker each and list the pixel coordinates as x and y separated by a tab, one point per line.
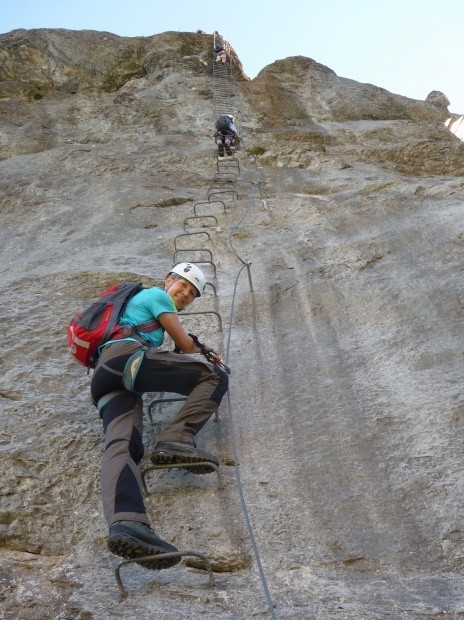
98	323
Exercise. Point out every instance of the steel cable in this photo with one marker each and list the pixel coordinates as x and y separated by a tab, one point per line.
237	464
220	105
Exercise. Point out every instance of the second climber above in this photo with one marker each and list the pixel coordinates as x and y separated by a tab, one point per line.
226	135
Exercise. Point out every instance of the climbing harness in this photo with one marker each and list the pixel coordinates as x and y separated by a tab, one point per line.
131	369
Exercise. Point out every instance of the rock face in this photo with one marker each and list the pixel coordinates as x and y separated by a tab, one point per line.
456	126
438	99
346	410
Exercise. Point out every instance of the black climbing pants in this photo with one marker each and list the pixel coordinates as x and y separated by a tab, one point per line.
122	414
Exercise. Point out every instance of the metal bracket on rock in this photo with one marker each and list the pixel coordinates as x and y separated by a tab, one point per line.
197	260
162	556
152	404
190	234
202	464
218	192
209	203
219	318
222	165
224	177
202	218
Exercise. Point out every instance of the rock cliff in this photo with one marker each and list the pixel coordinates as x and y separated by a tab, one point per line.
346	407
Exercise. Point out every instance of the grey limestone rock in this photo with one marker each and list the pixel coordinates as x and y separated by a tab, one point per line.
346	387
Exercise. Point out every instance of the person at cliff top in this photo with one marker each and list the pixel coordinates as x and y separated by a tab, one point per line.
221	56
226	136
127	368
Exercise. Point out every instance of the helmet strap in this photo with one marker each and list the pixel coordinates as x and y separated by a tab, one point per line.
174	277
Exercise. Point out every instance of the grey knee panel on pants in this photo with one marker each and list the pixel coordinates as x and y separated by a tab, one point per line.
105	400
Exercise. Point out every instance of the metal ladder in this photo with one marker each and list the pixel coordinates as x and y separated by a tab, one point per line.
223	90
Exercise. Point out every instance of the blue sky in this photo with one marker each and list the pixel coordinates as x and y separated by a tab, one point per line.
409	47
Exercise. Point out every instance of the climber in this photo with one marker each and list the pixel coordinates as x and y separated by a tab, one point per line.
226	135
220	55
131	365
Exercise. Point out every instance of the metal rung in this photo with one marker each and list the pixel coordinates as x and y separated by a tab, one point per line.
225	176
208	202
223	180
205	312
228	185
214	470
161	556
210	254
212	286
202	217
233	161
224	164
152	404
203	232
198	261
221	191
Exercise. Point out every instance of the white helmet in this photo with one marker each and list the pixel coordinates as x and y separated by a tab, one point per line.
192	274
231	117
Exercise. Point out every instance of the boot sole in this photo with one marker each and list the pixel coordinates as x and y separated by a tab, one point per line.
168	458
131	550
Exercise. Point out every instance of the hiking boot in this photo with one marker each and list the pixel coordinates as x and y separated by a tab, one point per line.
221	150
229	151
131	539
173	452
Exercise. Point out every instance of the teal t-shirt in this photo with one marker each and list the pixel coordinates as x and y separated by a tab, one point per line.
143	307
